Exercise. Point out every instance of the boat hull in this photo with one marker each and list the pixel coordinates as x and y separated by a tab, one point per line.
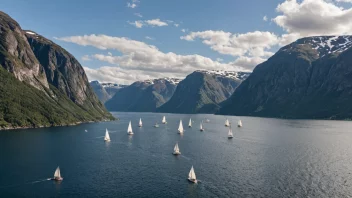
130	133
176	153
230	137
202	130
57	179
192	180
107	140
227	125
239	126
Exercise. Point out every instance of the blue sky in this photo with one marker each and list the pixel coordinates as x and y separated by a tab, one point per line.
221	34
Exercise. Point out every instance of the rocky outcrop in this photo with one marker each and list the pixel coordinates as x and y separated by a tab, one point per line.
310	78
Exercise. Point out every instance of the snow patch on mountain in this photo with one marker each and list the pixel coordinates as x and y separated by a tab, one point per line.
174	81
227	74
324	45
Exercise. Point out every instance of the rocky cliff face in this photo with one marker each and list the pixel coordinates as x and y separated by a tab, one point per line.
16	55
143	96
60	80
310	78
203	91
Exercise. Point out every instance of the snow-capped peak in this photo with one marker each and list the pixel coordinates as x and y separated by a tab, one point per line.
31	33
324	45
162	80
229	74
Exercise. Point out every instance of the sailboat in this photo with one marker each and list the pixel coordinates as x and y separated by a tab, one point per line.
57	175
230	134
227	123
190	123
140	122
239	124
129	129
107	136
176	150
164	120
192	176
180	128
156	125
201	127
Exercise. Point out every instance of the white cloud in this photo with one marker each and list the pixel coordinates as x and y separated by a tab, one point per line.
156	22
122	76
109	53
219	59
85	58
138	14
176	24
131	5
252	43
265	18
248	62
313	17
152	23
345	1
137	24
144	58
183	30
149	38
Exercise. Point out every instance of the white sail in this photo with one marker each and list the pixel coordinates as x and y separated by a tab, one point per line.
140	122
239	123
190	122
230	134
176	149
57	173
192	174
201	126
107	136
227	123
180	127
164	120
129	129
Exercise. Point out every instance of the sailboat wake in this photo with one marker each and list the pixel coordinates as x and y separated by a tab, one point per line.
187	158
42	180
32	182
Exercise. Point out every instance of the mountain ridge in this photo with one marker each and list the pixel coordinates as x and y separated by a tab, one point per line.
305	79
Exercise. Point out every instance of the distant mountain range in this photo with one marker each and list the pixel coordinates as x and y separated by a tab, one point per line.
203	91
309	78
41	84
143	96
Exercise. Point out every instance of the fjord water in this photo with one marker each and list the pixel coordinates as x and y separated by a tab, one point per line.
266	158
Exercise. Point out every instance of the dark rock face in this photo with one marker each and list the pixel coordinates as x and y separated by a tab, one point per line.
310	78
16	55
201	92
142	96
58	77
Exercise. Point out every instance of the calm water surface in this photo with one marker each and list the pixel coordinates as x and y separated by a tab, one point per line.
266	158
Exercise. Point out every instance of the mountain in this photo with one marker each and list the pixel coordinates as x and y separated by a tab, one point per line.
310	78
100	91
203	91
143	96
112	88
41	84
105	91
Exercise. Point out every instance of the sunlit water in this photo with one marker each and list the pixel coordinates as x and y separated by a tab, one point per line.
266	158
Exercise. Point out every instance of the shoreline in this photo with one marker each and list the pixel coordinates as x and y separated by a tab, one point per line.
66	125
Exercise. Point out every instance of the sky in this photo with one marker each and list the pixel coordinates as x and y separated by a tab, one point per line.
123	41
